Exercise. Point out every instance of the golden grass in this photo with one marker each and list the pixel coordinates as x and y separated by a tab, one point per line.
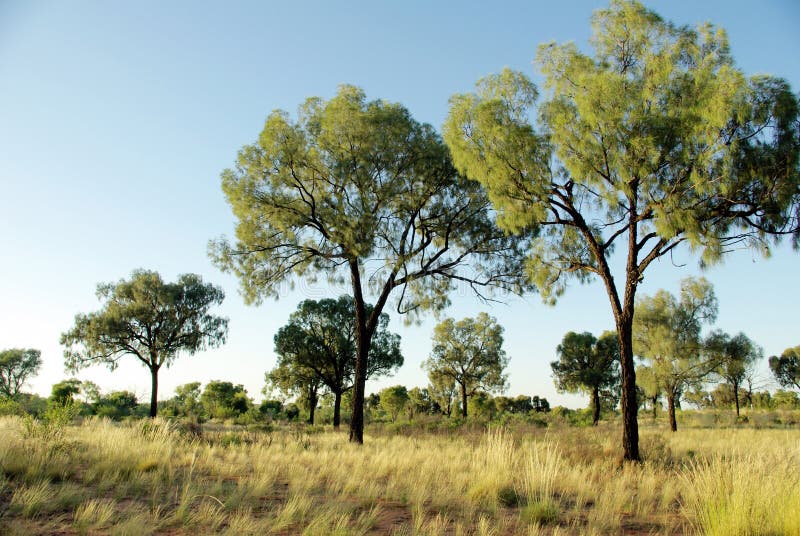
146	478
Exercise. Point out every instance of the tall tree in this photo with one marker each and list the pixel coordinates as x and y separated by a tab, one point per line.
786	368
586	363
666	334
359	189
320	341
654	141
16	366
470	353
149	319
736	357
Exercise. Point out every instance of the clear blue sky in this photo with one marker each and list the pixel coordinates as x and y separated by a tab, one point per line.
116	119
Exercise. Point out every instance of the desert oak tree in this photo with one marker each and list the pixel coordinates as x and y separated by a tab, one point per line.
149	319
16	366
470	354
586	363
320	340
359	189
654	141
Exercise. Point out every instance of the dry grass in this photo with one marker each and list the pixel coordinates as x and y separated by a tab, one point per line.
145	478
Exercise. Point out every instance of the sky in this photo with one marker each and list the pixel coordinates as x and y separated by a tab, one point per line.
116	120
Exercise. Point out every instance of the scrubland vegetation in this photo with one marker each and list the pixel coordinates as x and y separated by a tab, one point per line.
428	477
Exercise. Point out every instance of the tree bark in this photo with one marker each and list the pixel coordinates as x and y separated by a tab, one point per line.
736	397
629	406
154	391
673	424
463	401
363	338
312	407
337	405
595	406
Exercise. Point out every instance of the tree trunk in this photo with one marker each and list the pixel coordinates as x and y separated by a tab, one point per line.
596	406
154	391
312	406
654	401
736	397
363	339
673	424
463	401
337	405
629	406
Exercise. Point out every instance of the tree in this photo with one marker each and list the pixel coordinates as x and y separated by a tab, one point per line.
786	368
292	380
116	405
359	189
470	353
735	356
648	381
540	404
223	400
588	364
394	400
16	366
442	389
319	343
654	141
419	402
667	336
149	319
64	391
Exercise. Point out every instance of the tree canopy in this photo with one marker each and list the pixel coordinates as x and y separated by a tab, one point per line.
588	364
653	141
17	365
149	319
359	189
786	368
319	343
469	353
667	335
736	355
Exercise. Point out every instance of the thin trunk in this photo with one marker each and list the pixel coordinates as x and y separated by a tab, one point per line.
337	405
673	424
596	406
736	397
463	401
654	401
154	391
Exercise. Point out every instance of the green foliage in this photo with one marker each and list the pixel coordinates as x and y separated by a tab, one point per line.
48	430
470	353
64	391
116	405
653	141
394	400
149	319
736	357
223	400
786	368
318	347
16	366
588	364
667	337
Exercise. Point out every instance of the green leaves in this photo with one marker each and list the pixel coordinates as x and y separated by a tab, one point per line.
16	366
147	318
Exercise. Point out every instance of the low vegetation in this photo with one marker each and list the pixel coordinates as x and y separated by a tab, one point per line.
153	477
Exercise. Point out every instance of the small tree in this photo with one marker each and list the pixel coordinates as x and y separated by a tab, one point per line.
667	337
148	319
319	343
293	381
736	357
647	380
588	364
394	400
442	389
419	402
786	368
17	365
116	405
470	353
64	392
360	190
223	400
652	140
